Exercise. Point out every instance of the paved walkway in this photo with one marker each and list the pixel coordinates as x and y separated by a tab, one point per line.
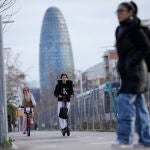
53	140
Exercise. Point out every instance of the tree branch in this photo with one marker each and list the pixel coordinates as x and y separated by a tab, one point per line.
9	5
2	5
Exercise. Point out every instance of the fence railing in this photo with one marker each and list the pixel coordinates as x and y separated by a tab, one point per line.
95	109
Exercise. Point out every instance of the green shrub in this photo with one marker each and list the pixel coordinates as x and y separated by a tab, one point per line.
5	143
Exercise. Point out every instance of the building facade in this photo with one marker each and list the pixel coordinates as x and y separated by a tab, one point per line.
110	58
93	76
102	72
146	22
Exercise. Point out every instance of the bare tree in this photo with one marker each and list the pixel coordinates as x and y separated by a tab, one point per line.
15	77
15	80
5	6
7	11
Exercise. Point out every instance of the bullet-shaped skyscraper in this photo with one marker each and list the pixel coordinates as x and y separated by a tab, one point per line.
56	55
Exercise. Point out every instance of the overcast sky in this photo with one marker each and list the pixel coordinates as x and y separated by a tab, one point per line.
91	25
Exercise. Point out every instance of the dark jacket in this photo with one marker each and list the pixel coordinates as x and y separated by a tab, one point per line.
65	90
132	46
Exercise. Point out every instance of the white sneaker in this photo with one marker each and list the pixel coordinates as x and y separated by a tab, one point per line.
121	145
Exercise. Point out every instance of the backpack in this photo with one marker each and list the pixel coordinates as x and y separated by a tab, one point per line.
147	58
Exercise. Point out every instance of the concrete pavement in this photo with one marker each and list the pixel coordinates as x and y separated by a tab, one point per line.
53	140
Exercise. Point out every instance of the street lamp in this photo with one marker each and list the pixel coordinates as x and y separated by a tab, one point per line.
7	22
3	100
81	81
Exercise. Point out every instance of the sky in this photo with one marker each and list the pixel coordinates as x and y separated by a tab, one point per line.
91	25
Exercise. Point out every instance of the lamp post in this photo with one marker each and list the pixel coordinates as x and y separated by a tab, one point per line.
3	101
81	81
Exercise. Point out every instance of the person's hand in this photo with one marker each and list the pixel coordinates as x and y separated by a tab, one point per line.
59	96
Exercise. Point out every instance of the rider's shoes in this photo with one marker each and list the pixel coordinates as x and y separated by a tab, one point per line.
65	129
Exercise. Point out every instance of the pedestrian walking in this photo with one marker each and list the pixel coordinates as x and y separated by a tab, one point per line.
132	46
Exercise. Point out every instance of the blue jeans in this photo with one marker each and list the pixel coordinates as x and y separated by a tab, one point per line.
132	112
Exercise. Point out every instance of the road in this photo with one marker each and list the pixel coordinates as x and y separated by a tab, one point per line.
53	140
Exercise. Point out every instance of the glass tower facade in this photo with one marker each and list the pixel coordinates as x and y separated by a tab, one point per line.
55	49
56	55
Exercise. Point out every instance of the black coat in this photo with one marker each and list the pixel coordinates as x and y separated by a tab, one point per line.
61	87
132	46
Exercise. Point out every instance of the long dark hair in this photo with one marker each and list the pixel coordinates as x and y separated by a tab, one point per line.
63	74
131	6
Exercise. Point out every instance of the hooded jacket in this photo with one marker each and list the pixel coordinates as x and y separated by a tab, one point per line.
65	90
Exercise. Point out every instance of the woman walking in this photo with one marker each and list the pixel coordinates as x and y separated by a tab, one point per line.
132	46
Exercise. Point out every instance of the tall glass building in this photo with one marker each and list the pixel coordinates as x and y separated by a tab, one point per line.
56	55
55	48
